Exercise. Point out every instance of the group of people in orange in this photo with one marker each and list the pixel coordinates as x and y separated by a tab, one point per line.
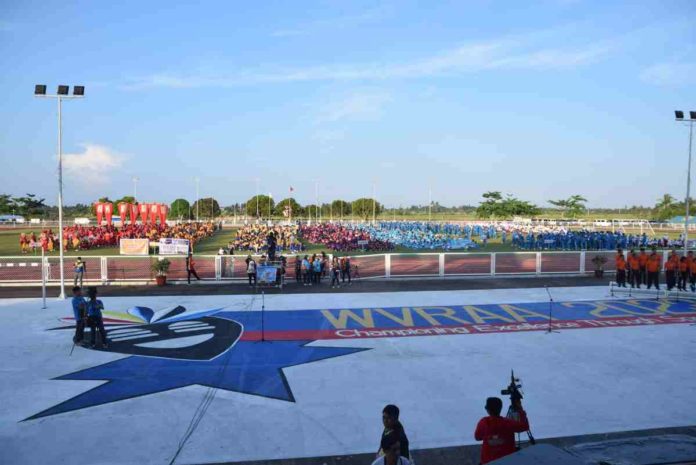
28	242
643	269
79	237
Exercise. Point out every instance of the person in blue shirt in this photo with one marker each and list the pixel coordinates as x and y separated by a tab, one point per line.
94	318
317	270
79	307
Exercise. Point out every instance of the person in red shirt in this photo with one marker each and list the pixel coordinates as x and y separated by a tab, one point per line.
692	274
498	433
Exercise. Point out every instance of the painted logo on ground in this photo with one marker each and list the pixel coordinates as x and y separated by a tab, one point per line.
219	348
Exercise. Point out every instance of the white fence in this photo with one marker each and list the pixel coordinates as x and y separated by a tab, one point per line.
116	269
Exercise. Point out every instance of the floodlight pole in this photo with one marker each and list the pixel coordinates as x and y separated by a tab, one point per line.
688	179
688	191
60	98
60	198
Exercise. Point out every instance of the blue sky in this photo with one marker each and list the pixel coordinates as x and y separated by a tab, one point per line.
539	99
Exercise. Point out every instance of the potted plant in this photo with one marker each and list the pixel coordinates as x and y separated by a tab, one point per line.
598	261
161	267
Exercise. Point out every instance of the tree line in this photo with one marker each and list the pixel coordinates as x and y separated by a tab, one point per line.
494	205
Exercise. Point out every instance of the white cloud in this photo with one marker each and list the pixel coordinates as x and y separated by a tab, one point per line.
94	160
669	74
363	106
503	54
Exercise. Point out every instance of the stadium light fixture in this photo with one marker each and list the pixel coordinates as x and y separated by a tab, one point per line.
692	118
62	94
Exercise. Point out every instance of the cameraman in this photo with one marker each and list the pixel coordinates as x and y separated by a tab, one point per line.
498	433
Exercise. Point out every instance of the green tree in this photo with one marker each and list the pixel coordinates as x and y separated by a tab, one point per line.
7	204
667	207
365	208
341	208
180	209
573	205
495	205
126	199
29	205
311	211
282	208
259	203
207	208
491	206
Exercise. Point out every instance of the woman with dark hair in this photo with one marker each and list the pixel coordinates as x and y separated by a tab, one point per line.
390	420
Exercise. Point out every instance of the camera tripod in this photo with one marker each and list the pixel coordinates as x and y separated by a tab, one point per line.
513	414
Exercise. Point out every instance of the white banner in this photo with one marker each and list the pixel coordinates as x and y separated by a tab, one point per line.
134	246
171	246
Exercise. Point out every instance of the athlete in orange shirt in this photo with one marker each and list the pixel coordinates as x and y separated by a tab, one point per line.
620	269
671	270
635	269
683	267
653	266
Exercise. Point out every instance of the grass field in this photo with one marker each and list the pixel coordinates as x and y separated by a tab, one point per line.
9	245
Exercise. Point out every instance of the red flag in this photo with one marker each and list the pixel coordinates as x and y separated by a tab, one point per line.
154	212
133	213
99	208
108	212
123	209
163	210
144	211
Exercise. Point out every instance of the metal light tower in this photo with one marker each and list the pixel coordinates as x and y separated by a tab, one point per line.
679	116
62	94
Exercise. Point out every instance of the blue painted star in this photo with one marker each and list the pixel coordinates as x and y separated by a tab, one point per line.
254	368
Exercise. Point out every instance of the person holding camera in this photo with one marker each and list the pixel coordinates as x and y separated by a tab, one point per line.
498	433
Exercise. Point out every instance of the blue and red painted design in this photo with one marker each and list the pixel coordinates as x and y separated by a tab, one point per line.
223	349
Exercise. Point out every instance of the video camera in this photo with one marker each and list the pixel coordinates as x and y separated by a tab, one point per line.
513	389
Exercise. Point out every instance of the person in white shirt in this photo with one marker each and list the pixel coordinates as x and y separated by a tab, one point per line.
392	451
